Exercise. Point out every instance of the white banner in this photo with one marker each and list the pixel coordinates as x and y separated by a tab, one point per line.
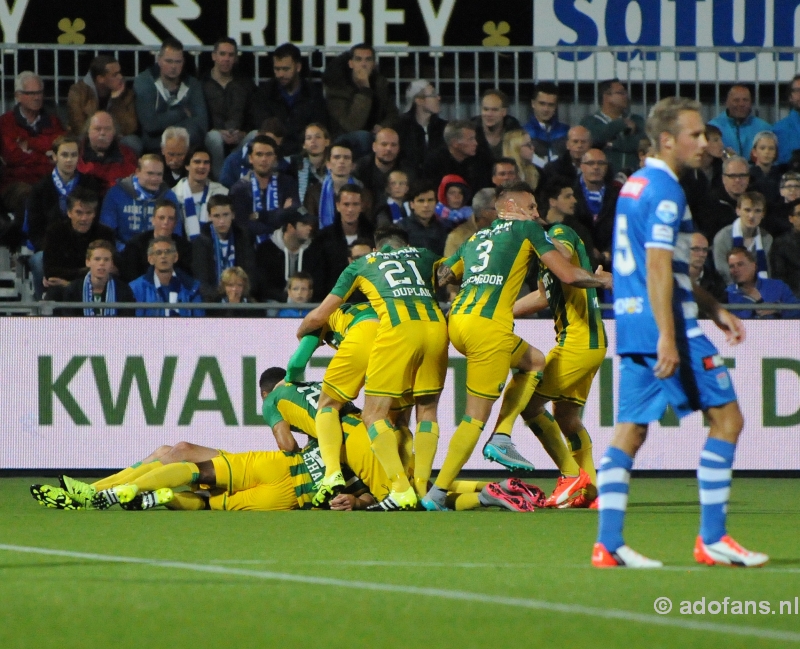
104	392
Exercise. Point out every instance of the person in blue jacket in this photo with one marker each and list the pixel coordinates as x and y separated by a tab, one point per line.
749	288
548	135
738	123
163	282
788	129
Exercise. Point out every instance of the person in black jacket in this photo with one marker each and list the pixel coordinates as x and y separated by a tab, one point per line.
98	284
293	100
284	254
459	156
420	128
221	244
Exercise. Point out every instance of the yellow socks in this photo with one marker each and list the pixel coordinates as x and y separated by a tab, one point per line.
549	434
581	446
170	475
329	435
462	502
517	395
126	475
426	441
187	501
384	445
405	447
461	446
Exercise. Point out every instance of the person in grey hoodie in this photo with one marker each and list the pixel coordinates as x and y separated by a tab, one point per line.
283	254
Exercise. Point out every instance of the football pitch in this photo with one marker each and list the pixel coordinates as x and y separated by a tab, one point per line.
488	578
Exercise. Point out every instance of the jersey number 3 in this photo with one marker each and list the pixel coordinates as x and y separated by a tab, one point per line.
624	261
485	248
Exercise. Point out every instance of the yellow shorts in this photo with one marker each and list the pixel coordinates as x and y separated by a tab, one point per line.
491	350
410	358
255	481
357	454
568	374
344	377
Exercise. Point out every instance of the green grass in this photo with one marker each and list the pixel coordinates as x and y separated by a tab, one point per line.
65	602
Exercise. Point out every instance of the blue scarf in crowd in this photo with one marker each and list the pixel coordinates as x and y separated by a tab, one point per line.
272	194
64	190
190	211
761	256
594	199
88	296
224	256
168	292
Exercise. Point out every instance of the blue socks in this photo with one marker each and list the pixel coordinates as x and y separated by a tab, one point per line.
613	476
714	480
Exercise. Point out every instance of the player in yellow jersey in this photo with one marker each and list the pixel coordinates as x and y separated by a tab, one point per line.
492	265
409	354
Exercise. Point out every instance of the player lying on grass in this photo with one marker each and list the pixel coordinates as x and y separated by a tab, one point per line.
279	480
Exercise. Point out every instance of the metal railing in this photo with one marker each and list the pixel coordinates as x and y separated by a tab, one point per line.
461	74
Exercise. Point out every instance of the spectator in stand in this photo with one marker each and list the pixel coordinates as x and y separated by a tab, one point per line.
788	129
597	203
615	130
27	133
459	156
103	89
765	176
47	202
299	290
579	141
129	205
702	273
697	183
423	228
776	221
283	254
133	259
66	242
290	98
493	123
452	207
329	250
483	213
165	97
750	287
358	98
549	136
518	146
163	282
785	254
373	169
420	128
175	144
396	207
558	206
98	284
195	190
737	122
309	166
103	154
719	208
745	233
320	198
262	196
504	171
229	97
221	244
237	164
234	288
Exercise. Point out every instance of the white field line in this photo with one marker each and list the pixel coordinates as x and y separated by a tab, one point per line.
441	593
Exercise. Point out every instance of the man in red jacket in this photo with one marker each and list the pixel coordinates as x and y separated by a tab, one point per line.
28	132
103	155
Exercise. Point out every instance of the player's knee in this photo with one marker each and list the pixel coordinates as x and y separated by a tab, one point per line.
532	361
180	450
726	423
327	401
161	451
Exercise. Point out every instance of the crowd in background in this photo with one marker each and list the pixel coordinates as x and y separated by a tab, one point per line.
183	189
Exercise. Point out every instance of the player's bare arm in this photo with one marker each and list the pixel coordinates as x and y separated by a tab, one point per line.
531	303
319	316
724	319
573	275
284	438
659	292
445	275
349	502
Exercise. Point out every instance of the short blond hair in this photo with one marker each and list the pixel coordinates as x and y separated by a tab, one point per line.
663	117
232	273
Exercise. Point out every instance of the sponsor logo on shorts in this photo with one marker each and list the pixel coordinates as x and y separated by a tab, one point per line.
712	362
663	233
723	380
628	305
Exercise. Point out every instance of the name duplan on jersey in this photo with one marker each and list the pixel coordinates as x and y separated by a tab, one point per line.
415	291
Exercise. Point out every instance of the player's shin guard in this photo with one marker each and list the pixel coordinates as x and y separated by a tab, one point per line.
426	441
518	393
580	445
126	475
384	445
714	479
170	475
461	446
329	435
612	484
549	435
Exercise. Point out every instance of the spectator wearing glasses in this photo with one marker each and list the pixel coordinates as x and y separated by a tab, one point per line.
748	286
745	233
702	273
738	123
788	129
785	254
719	208
777	219
597	203
420	128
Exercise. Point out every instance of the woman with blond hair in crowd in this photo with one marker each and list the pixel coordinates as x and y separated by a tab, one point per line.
518	146
234	288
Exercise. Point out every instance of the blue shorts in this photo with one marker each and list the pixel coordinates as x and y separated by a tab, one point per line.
701	382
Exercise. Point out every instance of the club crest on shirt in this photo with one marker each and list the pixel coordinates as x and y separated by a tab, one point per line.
723	380
667	211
